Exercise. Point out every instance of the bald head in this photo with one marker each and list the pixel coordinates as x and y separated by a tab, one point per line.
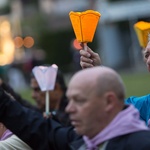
103	79
95	95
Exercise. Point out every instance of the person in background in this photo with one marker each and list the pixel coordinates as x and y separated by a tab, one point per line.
58	100
96	109
4	132
9	141
90	59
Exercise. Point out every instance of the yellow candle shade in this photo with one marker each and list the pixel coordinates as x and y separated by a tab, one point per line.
142	30
84	24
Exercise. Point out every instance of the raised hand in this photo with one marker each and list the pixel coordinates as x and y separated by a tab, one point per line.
89	58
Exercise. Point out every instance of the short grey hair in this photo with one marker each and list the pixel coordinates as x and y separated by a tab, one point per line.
111	82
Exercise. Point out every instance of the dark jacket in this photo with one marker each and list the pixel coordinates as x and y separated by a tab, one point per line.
133	141
59	115
42	134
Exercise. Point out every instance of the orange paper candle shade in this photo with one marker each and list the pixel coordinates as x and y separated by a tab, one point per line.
142	30
84	24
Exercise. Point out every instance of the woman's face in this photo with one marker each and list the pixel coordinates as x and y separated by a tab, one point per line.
2	129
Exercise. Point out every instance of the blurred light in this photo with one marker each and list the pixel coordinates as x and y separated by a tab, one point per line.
7	55
4	60
4	28
18	41
7	48
76	44
28	42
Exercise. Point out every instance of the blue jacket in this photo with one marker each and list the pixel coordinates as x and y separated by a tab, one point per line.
142	104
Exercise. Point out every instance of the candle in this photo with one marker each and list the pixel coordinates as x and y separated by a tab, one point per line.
84	25
142	30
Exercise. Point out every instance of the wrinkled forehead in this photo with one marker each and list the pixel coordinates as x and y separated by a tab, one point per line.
80	86
82	78
76	83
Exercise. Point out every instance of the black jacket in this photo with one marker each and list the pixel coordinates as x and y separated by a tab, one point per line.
59	115
42	134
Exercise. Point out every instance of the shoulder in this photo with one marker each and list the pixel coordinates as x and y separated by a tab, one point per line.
139	140
133	141
140	135
134	99
13	142
139	102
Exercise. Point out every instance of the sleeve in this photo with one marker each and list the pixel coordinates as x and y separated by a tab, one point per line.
142	104
32	128
17	97
13	143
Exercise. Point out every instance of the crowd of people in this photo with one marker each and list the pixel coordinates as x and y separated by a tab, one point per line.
99	117
91	113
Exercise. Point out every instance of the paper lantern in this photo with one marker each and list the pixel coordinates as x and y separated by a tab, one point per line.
84	24
142	30
45	76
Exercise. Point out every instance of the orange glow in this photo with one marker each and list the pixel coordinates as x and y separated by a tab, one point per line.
18	41
4	28
4	59
7	47
76	44
28	42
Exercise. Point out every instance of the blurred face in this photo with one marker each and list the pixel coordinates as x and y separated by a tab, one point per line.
2	129
86	110
39	96
146	54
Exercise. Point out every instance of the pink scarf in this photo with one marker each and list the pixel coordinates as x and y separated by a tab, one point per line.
127	121
6	135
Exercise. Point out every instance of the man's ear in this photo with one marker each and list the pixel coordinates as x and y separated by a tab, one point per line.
110	98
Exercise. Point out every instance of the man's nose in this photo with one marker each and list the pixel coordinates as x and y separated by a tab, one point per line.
70	107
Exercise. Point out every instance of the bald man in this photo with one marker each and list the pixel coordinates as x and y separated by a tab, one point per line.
96	109
90	59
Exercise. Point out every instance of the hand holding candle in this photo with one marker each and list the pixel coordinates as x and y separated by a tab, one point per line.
46	77
84	25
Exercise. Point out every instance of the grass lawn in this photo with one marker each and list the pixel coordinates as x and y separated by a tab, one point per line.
26	94
137	84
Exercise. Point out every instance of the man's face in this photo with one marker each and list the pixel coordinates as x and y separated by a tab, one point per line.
37	94
86	110
146	54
